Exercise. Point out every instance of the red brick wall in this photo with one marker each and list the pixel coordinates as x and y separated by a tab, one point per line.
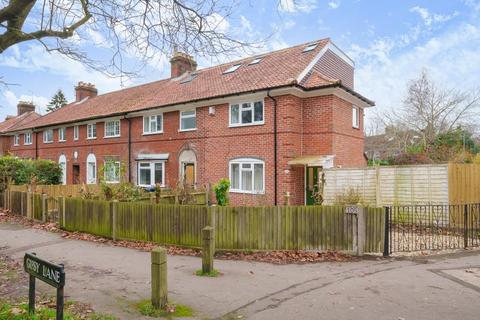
311	126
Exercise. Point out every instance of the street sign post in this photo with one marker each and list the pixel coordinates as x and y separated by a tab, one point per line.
47	272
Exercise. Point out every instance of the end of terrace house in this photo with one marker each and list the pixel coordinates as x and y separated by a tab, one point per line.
269	123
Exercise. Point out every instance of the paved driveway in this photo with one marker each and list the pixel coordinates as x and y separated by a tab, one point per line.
112	279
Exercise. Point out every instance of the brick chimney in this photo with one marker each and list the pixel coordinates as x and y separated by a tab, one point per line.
181	63
24	107
84	90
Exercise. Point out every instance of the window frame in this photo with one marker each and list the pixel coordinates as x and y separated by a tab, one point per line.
76	132
150	117
116	163
105	124
152	173
181	116
63	160
240	107
64	131
91	159
252	162
355	116
44	136
91	125
16	139
25	142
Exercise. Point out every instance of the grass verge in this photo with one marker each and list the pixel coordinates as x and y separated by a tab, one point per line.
171	310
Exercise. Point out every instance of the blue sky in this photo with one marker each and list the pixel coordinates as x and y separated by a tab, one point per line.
390	41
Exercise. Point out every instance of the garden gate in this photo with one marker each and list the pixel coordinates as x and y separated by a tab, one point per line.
431	227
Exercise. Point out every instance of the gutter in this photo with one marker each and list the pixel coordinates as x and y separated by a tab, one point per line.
275	147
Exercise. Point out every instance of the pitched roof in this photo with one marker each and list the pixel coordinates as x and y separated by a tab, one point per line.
18	121
276	69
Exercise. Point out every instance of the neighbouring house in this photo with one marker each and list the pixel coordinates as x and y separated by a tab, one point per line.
393	142
25	114
269	123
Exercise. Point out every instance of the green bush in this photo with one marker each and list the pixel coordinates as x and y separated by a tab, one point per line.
20	171
221	192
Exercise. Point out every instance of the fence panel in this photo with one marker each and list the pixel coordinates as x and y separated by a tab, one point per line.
375	233
90	216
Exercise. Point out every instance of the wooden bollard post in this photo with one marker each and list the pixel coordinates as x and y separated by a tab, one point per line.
159	278
208	251
44	208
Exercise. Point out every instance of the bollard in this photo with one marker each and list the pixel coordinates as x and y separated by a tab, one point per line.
159	278
208	251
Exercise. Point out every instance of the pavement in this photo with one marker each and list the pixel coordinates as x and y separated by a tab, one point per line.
112	279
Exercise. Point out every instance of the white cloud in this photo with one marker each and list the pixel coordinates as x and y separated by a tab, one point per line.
334	4
12	100
384	68
429	18
291	6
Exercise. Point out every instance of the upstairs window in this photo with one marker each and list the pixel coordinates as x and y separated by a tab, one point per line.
247	176
48	136
75	133
112	128
91	131
310	47
355	117
153	124
188	120
62	132
247	113
27	138
16	140
232	68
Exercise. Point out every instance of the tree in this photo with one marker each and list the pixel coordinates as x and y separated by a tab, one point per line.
143	28
430	110
58	101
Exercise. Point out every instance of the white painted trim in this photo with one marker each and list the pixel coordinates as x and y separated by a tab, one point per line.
329	46
105	129
253	123
152	170
188	116
151	115
251	161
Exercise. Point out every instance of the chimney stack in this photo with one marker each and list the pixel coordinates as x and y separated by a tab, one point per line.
84	90
181	63
24	107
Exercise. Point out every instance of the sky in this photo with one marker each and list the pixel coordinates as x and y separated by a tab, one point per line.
390	41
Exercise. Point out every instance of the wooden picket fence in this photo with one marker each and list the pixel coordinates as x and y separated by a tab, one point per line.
236	228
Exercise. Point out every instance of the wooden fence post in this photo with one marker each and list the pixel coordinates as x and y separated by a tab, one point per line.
211	216
208	235
29	205
159	278
361	229
114	205
207	194
44	208
61	209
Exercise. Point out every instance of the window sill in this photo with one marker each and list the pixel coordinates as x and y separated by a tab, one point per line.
248	192
110	137
92	138
47	142
187	130
152	133
26	144
246	124
62	140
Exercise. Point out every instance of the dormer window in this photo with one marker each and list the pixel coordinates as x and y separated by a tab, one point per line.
310	47
232	68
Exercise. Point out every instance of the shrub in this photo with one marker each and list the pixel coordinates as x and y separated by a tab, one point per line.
351	196
183	193
221	192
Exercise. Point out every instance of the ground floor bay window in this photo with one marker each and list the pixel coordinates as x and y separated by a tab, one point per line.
151	173
247	176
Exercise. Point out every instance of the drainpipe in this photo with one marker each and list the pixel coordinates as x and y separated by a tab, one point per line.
36	144
275	157
129	143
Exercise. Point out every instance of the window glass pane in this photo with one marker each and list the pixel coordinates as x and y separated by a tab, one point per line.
146	124
246	114
258	110
234	113
247	180
145	177
189	123
235	176
159	123
258	175
188	113
158	173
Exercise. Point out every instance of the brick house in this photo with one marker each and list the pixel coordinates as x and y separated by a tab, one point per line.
269	123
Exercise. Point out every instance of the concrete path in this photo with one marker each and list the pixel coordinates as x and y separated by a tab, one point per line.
112	279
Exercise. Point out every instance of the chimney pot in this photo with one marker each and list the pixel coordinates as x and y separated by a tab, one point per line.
85	90
181	63
24	107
